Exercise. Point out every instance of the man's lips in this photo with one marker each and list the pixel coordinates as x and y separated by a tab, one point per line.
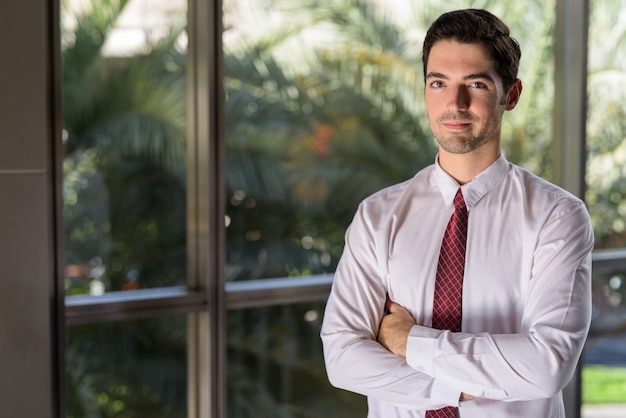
456	125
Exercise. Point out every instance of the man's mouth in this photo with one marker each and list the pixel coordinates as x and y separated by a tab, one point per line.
456	125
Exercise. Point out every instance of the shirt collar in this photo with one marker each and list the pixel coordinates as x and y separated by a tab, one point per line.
475	189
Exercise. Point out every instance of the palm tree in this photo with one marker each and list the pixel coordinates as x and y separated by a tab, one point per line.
124	124
324	107
124	212
306	144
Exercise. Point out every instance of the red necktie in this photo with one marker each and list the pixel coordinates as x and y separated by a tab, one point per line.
449	282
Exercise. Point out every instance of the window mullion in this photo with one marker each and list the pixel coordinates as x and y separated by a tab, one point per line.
570	116
206	341
570	110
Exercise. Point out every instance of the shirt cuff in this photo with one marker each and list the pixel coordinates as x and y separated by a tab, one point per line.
420	349
442	395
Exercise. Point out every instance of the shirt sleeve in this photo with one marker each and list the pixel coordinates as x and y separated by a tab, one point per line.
354	359
540	360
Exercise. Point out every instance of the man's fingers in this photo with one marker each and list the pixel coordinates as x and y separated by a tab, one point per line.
387	303
392	307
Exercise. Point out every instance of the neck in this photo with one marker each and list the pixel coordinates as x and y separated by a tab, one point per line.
464	167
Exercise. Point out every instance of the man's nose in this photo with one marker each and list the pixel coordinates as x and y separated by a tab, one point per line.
459	98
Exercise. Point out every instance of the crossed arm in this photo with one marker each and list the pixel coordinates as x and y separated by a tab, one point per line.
393	359
393	333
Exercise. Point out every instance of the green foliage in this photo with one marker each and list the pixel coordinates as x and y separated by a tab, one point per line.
603	385
324	107
276	367
124	168
127	370
606	123
124	213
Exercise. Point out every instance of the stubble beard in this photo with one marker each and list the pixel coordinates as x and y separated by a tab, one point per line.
460	143
463	142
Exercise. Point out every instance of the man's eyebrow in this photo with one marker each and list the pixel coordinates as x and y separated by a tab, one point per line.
433	74
478	76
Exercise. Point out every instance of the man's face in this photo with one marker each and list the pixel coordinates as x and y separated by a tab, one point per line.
465	99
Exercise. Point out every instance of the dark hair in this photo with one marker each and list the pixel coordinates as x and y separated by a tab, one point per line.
475	26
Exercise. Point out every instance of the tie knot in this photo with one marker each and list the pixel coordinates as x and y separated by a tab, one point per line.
459	202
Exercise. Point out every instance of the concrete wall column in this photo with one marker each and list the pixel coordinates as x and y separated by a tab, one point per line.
28	311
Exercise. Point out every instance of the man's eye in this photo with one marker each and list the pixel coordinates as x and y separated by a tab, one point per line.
478	85
436	84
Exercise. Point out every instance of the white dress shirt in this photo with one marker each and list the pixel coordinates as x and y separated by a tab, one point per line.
526	297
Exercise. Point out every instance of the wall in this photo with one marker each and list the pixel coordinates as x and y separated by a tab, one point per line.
26	213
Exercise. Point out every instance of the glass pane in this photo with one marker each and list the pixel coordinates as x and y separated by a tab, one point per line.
124	125
606	122
276	369
135	369
604	369
324	106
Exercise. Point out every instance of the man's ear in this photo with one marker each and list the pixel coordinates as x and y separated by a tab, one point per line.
512	97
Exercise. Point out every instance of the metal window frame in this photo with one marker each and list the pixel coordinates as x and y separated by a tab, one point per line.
237	295
145	303
570	106
569	125
205	216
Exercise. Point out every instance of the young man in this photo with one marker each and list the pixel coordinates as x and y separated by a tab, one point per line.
524	305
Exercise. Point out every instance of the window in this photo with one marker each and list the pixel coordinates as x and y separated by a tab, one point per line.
127	368
604	372
213	159
324	107
124	133
124	190
275	365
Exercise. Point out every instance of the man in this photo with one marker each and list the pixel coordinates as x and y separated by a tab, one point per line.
524	303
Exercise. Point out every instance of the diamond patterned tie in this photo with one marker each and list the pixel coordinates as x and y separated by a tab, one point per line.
449	282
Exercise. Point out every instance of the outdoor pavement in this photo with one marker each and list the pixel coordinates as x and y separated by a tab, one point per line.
604	411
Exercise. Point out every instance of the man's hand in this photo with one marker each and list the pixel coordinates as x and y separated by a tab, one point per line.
466	397
394	329
393	333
